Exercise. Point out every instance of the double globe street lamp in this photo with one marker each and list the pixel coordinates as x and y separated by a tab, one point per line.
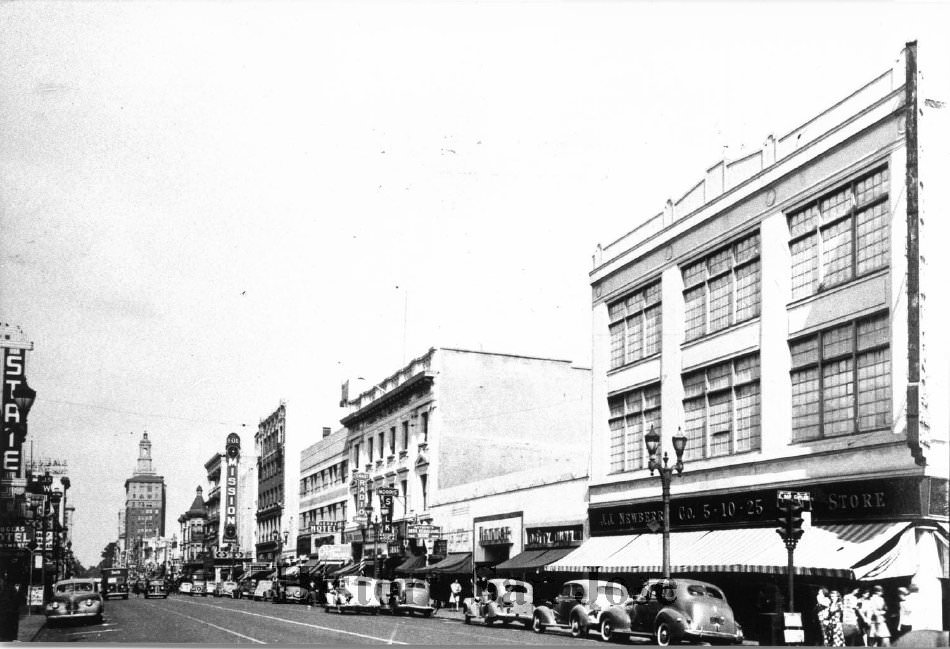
280	541
652	440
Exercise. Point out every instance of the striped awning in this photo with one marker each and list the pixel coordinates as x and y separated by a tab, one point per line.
832	551
456	563
532	560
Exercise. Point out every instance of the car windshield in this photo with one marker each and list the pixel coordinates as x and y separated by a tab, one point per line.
415	584
74	588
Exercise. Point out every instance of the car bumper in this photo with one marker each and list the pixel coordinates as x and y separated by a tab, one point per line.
694	635
60	614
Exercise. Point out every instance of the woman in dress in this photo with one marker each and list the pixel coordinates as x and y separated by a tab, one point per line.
835	620
879	634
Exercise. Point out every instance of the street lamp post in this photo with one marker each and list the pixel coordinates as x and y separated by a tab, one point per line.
46	482
652	440
56	497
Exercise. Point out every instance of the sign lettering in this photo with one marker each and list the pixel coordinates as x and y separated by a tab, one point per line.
494	535
554	537
232	455
13	362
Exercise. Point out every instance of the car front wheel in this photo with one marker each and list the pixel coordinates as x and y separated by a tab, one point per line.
663	635
578	629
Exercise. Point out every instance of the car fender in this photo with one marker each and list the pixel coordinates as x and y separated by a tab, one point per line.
586	618
470	606
492	610
545	613
674	619
618	616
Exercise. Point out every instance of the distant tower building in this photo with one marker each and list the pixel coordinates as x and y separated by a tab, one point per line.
144	499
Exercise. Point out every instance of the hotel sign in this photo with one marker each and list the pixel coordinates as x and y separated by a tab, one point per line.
563	536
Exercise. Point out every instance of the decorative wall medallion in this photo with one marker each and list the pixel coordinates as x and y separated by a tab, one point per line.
770	197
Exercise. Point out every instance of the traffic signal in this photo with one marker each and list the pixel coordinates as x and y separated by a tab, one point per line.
790	521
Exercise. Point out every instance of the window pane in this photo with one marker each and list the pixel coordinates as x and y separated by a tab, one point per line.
616	406
805	411
719	262
803	221
634	443
694	274
874	390
747	248
719	376
651	294
694	427
634	338
804	351
804	267
634	402
747	291
835	205
869	188
720	423
694	384
874	332
747	369
652	328
837	341
695	300
651	397
748	418
720	303
615	311
872	245
617	334
838	402
836	257
635	302
616	445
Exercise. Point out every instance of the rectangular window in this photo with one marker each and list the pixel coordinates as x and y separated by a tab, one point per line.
723	288
405	435
841	380
841	235
369	450
722	409
635	326
632	414
392	440
425	426
382	445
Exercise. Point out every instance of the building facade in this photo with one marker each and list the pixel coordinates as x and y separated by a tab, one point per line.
277	488
144	500
324	493
213	501
774	316
448	419
194	549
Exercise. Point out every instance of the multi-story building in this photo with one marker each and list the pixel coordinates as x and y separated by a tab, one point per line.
775	317
452	418
247	501
213	501
194	548
324	492
144	499
277	488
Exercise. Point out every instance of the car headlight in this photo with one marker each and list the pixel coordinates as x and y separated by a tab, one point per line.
88	602
55	604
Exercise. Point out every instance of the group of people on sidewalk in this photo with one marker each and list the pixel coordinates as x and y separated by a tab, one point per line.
860	618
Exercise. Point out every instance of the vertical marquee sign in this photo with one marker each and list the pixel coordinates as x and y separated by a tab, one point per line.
232	453
13	364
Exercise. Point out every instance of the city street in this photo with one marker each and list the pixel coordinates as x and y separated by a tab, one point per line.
182	619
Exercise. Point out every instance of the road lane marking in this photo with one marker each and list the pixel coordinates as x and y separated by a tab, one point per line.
90	632
220	628
312	626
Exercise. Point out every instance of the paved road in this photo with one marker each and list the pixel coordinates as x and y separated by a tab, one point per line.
183	619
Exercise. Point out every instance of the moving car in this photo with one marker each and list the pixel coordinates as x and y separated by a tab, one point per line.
584	604
224	589
503	600
75	599
353	593
185	587
156	588
683	610
408	596
264	590
115	583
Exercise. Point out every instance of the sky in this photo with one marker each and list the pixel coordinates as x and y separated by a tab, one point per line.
208	208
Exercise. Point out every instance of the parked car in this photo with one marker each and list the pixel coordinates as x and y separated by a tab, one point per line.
584	604
263	590
503	600
224	588
283	591
199	586
75	599
185	587
353	593
409	596
245	589
156	588
681	610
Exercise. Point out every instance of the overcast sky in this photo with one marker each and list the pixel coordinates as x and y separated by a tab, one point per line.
207	208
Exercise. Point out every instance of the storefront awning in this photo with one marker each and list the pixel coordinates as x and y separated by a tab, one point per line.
412	563
351	569
309	564
532	560
456	563
291	572
846	551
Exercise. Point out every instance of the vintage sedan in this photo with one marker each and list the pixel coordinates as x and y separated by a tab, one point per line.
224	589
586	604
683	610
199	586
75	599
185	587
156	588
245	588
408	596
502	600
263	591
283	591
353	593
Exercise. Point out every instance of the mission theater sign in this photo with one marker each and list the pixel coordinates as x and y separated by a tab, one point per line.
860	500
232	455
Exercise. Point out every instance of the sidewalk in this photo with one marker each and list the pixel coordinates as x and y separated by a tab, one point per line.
30	625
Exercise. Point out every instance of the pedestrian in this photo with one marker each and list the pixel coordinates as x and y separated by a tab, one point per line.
905	622
864	616
850	626
879	635
835	619
456	589
822	613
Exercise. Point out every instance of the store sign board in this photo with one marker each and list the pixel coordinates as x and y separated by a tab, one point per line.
560	536
14	536
862	500
423	532
500	535
13	367
335	552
